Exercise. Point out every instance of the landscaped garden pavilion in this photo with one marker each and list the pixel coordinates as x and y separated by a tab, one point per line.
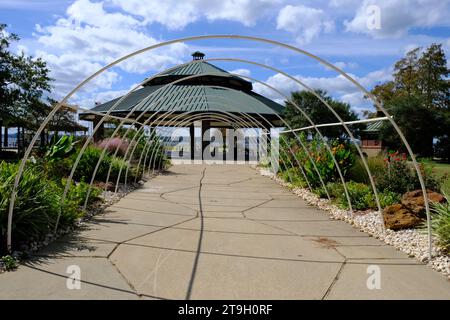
208	90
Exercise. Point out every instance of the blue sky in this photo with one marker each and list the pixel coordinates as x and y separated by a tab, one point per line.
77	37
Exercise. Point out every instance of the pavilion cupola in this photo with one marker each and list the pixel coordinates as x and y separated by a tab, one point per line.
197	55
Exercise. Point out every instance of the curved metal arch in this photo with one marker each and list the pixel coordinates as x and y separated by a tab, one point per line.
286	124
238	119
142	124
157	91
250	38
311	122
253	120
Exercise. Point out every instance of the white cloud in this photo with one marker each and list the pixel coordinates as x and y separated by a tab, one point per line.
70	69
242	72
304	22
87	38
92	13
399	16
337	86
341	65
176	14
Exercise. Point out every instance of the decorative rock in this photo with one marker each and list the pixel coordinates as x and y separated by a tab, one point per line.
397	217
415	203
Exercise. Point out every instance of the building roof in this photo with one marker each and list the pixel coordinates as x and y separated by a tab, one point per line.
216	91
196	68
195	98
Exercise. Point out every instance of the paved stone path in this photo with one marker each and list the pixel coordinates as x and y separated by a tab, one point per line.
219	232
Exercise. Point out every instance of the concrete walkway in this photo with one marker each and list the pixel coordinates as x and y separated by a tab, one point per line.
219	232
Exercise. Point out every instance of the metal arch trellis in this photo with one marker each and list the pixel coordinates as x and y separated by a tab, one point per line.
125	136
250	118
195	38
288	99
155	102
168	114
311	159
115	153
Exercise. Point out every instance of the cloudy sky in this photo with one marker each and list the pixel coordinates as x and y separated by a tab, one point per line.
77	37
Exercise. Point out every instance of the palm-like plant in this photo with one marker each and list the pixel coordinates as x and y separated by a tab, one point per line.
440	223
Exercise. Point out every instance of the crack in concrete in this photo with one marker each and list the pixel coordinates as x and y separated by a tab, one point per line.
336	278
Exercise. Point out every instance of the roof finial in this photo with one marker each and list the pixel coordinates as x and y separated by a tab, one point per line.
197	55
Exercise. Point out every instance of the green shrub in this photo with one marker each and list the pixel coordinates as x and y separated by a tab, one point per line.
358	172
388	198
9	263
58	169
398	175
37	204
361	196
394	173
320	191
343	153
78	192
87	163
440	222
293	176
335	189
291	152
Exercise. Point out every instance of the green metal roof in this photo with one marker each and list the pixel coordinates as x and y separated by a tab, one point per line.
196	68
195	98
214	90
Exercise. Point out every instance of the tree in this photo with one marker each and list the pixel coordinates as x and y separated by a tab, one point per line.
7	92
406	74
418	97
319	113
415	121
23	82
433	81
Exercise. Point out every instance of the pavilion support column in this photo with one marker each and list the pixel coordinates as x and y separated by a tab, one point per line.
99	134
5	137
206	125
192	138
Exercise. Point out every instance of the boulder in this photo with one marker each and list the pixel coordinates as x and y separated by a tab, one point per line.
415	203
397	217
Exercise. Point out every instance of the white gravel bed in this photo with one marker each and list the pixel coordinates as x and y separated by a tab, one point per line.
413	242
